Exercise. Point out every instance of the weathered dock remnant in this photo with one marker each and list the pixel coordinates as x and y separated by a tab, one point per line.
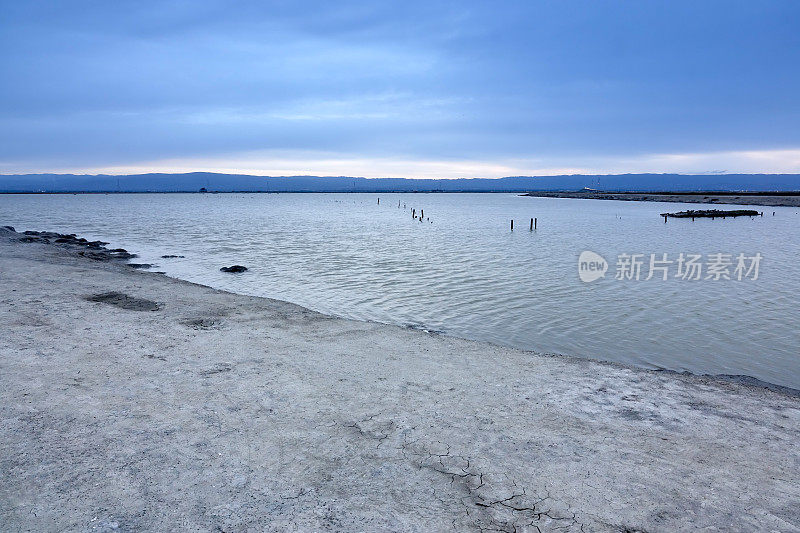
712	213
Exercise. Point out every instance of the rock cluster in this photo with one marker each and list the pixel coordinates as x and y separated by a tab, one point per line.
713	213
91	249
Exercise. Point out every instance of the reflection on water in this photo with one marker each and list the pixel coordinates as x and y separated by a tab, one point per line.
465	273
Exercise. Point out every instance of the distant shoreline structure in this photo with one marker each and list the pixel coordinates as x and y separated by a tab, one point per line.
764	198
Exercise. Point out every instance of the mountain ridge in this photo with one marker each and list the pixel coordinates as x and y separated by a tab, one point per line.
219	182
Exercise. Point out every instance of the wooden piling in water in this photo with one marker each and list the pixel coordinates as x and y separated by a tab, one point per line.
512	224
379	201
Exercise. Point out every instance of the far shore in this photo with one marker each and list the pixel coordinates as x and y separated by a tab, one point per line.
772	199
133	401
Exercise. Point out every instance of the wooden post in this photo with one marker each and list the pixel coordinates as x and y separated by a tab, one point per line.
531	224
665	219
535	222
421	214
512	224
379	201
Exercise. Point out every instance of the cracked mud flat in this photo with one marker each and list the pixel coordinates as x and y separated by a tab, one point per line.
116	419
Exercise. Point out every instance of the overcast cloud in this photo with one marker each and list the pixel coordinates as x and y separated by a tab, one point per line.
400	88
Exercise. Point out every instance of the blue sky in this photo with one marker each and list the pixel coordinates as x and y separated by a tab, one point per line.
405	88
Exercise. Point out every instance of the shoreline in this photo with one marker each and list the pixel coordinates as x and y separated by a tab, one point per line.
172	404
716	198
97	250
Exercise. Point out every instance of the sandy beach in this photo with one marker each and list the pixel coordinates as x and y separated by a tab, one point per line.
131	401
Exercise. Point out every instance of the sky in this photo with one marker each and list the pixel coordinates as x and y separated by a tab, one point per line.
400	89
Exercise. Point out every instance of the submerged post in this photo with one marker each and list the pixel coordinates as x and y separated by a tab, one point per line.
535	222
531	224
512	224
421	214
379	201
665	219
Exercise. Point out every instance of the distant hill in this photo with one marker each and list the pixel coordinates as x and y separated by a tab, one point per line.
193	182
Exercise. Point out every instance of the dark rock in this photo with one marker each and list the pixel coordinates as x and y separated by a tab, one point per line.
29	232
172	256
10	228
118	250
140	265
234	269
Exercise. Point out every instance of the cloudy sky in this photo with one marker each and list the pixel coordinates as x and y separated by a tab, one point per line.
413	89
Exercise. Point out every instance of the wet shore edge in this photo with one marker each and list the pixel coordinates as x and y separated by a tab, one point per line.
134	401
97	251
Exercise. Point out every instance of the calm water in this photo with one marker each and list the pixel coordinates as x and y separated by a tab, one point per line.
465	274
